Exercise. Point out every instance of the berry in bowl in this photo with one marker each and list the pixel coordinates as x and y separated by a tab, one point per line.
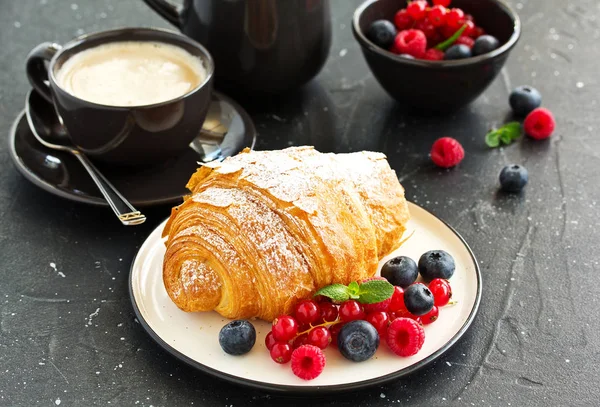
438	55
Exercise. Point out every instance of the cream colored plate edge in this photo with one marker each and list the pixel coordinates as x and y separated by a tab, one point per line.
193	337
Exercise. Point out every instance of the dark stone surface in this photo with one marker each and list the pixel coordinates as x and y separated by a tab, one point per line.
69	334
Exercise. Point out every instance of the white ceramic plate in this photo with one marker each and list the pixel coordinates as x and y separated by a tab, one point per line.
193	337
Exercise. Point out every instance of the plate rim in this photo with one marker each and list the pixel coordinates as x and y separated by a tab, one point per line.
316	390
97	201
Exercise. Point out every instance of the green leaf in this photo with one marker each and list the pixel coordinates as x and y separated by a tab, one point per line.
443	46
492	139
375	291
337	292
504	135
353	290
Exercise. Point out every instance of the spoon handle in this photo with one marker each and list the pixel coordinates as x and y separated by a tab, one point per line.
126	213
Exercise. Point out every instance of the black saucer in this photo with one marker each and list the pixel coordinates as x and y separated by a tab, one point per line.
61	174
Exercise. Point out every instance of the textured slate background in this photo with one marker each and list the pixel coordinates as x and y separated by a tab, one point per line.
69	336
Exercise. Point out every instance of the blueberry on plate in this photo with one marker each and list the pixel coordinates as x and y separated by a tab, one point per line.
436	264
358	340
485	44
418	299
237	337
513	178
401	271
459	51
382	33
524	99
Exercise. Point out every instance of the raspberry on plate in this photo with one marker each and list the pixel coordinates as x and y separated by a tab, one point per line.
308	362
405	337
412	42
539	124
447	152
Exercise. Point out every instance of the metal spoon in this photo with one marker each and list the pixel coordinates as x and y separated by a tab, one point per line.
49	131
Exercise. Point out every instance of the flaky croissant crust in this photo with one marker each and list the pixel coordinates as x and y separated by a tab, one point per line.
263	229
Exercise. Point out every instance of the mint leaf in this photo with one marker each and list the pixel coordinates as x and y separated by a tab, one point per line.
375	291
504	135
337	292
492	139
443	46
353	290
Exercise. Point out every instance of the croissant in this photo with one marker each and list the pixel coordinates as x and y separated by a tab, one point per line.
263	229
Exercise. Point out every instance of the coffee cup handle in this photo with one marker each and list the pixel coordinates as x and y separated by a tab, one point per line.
166	10
37	67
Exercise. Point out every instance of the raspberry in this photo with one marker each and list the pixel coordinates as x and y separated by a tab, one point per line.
412	42
539	124
464	40
433	54
403	20
447	152
404	337
417	9
308	362
437	16
455	18
443	3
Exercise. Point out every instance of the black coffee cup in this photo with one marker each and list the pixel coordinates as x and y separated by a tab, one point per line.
129	135
260	46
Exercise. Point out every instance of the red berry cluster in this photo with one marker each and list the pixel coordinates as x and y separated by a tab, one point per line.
315	324
422	27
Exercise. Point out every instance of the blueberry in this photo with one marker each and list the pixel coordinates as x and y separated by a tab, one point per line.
524	99
485	44
237	337
382	33
418	299
436	264
358	340
401	271
513	178
459	51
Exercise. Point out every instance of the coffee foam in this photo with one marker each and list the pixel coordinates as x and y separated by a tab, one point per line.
132	73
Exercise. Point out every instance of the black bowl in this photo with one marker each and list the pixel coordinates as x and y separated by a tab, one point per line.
438	86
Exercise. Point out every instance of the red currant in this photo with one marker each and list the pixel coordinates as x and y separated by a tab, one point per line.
307	312
281	352
437	16
270	340
334	330
477	32
320	337
431	316
443	3
284	328
417	9
380	320
469	29
427	28
329	312
300	340
455	18
397	303
441	290
351	310
403	20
